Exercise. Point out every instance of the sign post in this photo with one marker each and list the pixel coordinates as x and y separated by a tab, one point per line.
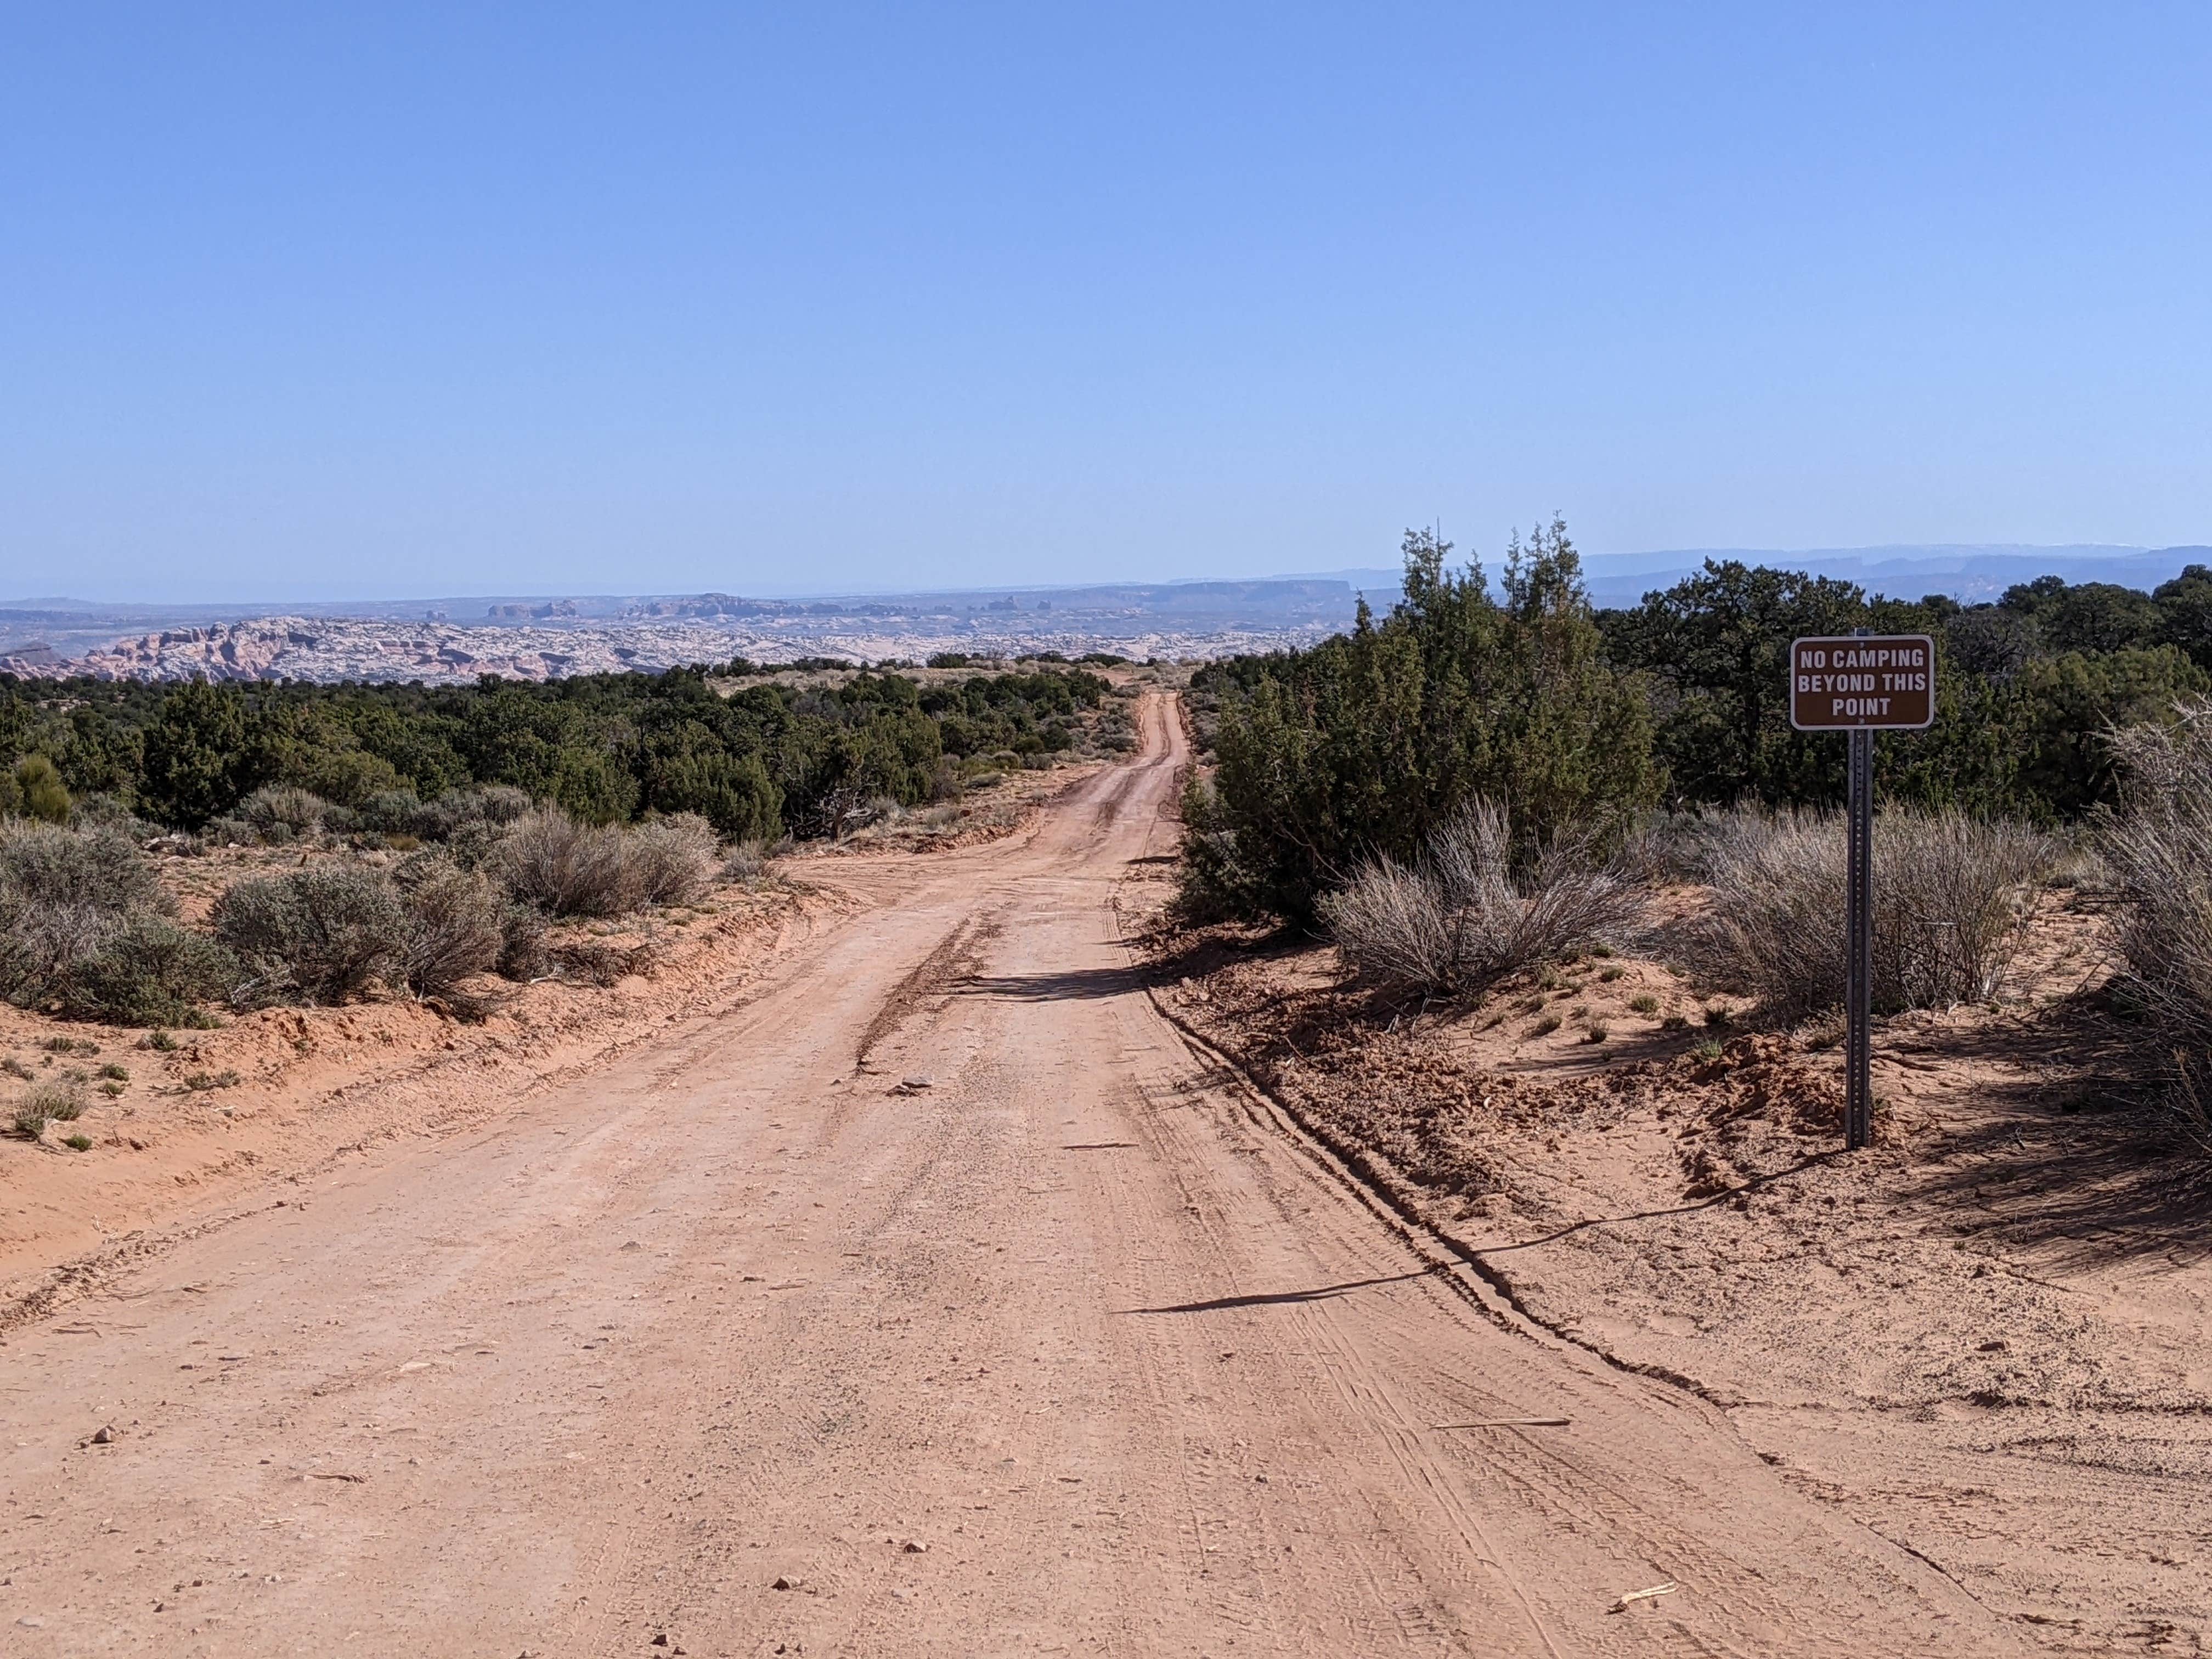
1860	684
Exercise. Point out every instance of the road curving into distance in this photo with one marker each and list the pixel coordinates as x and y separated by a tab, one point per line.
940	1300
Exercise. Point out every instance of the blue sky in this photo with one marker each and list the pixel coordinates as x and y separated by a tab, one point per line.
336	301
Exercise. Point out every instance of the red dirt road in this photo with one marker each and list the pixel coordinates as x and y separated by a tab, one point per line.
1077	1348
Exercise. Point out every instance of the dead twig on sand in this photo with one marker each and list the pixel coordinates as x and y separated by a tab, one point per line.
1634	1596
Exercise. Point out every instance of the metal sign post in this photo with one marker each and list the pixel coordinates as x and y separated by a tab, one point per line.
1858	965
1860	685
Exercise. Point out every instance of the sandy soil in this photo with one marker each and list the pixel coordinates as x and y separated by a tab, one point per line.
1988	1341
932	1294
201	1121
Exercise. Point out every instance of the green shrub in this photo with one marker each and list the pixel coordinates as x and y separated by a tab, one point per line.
1356	751
39	792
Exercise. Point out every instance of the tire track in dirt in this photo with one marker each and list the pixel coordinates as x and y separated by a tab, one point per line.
958	957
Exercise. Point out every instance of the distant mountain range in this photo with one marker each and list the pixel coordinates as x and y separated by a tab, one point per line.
533	635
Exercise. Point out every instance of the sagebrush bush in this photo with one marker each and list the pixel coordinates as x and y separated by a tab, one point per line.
521	942
149	971
299	811
1465	916
64	897
495	803
453	927
99	867
499	802
670	860
1952	896
389	811
564	867
321	934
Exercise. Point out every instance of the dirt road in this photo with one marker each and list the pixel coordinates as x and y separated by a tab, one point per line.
746	1347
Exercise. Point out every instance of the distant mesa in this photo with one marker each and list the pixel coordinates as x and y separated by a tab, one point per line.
532	638
707	607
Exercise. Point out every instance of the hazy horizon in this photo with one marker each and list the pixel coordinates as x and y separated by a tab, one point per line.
1610	567
415	300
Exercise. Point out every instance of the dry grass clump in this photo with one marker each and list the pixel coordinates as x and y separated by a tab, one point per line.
745	862
2157	850
53	1100
596	963
1466	916
1951	899
569	869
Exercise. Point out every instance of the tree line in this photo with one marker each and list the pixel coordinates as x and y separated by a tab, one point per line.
1579	720
765	759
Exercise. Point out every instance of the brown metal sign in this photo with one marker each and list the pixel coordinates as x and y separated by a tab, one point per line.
1862	682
